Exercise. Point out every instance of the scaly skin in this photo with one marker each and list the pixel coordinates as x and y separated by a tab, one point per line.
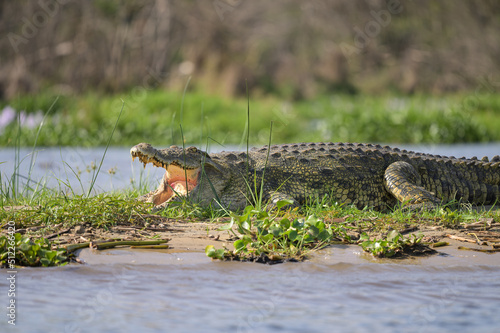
365	175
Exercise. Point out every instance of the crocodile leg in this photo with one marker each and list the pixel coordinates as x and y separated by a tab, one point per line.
404	183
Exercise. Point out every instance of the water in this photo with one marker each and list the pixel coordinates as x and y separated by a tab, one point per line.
56	167
59	167
339	289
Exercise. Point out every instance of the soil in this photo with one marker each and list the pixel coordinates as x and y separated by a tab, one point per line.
194	236
182	235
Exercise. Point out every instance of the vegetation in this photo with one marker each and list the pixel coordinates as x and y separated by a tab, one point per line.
50	209
394	243
16	250
258	235
264	238
288	235
156	117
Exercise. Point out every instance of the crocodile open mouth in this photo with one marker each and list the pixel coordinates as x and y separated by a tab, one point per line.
176	181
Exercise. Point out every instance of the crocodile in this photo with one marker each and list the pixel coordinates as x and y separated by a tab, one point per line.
364	175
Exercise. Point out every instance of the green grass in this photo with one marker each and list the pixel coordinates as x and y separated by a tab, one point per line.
155	117
47	210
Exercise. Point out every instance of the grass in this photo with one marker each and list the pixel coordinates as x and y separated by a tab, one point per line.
101	210
155	117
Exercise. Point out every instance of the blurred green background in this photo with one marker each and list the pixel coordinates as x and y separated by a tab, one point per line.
372	71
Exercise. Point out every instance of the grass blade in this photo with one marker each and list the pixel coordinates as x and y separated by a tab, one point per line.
94	176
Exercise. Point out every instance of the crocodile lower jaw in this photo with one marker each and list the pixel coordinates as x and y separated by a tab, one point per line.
176	182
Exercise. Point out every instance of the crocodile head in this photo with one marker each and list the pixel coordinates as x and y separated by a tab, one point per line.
186	174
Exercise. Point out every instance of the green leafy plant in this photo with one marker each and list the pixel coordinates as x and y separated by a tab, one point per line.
265	238
17	250
450	218
393	244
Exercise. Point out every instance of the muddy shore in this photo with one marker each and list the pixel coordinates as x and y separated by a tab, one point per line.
194	236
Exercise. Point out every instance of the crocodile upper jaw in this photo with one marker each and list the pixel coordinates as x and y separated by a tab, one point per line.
177	181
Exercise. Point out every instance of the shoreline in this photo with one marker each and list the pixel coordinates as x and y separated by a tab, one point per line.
194	235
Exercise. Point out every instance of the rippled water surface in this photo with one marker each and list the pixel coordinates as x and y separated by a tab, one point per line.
337	290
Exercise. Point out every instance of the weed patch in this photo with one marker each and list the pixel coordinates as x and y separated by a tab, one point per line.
28	252
394	244
17	250
285	236
99	211
265	238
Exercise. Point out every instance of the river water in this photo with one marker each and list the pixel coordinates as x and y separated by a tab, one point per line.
340	289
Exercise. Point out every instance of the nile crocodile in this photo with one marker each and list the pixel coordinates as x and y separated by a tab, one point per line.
365	175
